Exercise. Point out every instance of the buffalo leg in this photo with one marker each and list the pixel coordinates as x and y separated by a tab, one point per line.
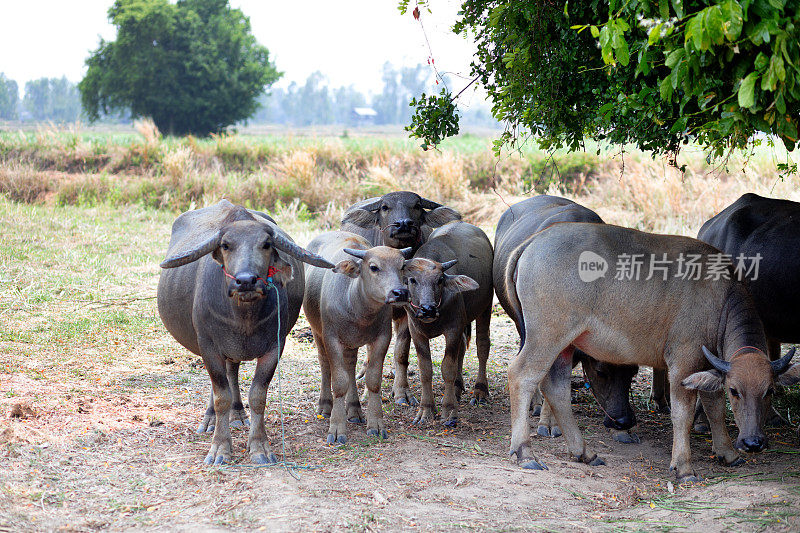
325	397
774	418
481	390
238	414
340	383
658	390
354	413
373	377
547	423
209	417
682	403
455	346
402	344
257	444
556	390
427	408
221	444
525	372
714	405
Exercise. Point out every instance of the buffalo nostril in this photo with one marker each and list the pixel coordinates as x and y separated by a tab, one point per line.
754	444
400	294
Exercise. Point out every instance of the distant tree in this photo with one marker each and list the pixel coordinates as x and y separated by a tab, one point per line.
55	99
345	99
9	97
192	66
387	103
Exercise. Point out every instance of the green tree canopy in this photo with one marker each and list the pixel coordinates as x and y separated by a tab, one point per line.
655	73
9	96
193	66
54	99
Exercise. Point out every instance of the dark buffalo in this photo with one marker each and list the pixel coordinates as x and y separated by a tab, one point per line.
230	275
610	383
399	220
756	226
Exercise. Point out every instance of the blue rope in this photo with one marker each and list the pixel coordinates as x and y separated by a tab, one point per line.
290	466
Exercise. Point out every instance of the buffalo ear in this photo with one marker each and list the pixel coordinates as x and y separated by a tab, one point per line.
706	381
460	283
348	267
790	376
441	216
361	218
283	270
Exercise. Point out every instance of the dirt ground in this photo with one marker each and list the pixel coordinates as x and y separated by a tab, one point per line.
98	406
120	452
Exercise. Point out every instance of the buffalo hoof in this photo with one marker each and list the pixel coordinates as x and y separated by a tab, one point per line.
593	461
406	398
451	422
263	459
240	423
537	410
356	420
377	433
332	439
627	438
545	431
210	460
478	401
689	478
736	462
533	465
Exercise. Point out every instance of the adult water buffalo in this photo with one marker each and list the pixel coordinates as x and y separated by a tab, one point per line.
518	224
655	311
450	285
398	219
230	275
349	307
766	231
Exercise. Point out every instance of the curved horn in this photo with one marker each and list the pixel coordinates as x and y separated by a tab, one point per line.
448	264
782	364
298	252
373	206
721	365
428	204
355	253
408	253
193	255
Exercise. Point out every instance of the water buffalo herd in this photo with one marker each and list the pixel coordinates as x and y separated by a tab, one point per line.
707	314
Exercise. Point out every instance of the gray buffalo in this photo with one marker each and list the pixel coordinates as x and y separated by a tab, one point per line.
450	285
349	307
398	219
654	311
610	383
230	275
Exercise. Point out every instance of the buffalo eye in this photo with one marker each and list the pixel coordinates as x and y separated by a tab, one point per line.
374	268
384	207
412	281
770	392
266	245
224	246
441	280
734	392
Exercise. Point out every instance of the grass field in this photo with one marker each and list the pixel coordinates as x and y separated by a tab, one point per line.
98	403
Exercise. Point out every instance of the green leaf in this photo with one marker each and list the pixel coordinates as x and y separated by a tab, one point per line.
761	61
747	95
665	89
780	104
694	31
677	5
674	57
622	54
595	31
734	19
655	34
713	24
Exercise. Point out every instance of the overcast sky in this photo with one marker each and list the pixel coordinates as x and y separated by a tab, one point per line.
347	40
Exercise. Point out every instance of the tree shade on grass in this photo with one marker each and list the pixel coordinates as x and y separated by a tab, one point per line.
192	66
